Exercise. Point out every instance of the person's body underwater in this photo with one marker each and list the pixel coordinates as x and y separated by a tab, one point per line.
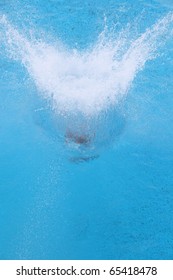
78	138
83	141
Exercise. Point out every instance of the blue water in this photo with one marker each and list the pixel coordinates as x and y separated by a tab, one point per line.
113	198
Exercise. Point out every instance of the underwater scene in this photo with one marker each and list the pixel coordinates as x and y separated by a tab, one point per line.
86	131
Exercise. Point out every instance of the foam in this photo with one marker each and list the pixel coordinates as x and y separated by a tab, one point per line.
85	81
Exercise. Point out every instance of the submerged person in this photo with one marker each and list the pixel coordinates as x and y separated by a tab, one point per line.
83	141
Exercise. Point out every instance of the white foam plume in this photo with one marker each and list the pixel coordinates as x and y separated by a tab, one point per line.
86	81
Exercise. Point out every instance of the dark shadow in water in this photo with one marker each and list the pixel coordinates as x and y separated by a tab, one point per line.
82	159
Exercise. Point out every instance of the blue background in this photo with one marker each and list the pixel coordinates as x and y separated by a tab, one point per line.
119	206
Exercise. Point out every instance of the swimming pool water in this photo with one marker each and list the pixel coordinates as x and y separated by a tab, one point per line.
105	68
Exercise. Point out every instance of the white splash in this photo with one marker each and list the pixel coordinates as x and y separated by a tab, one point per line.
85	81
